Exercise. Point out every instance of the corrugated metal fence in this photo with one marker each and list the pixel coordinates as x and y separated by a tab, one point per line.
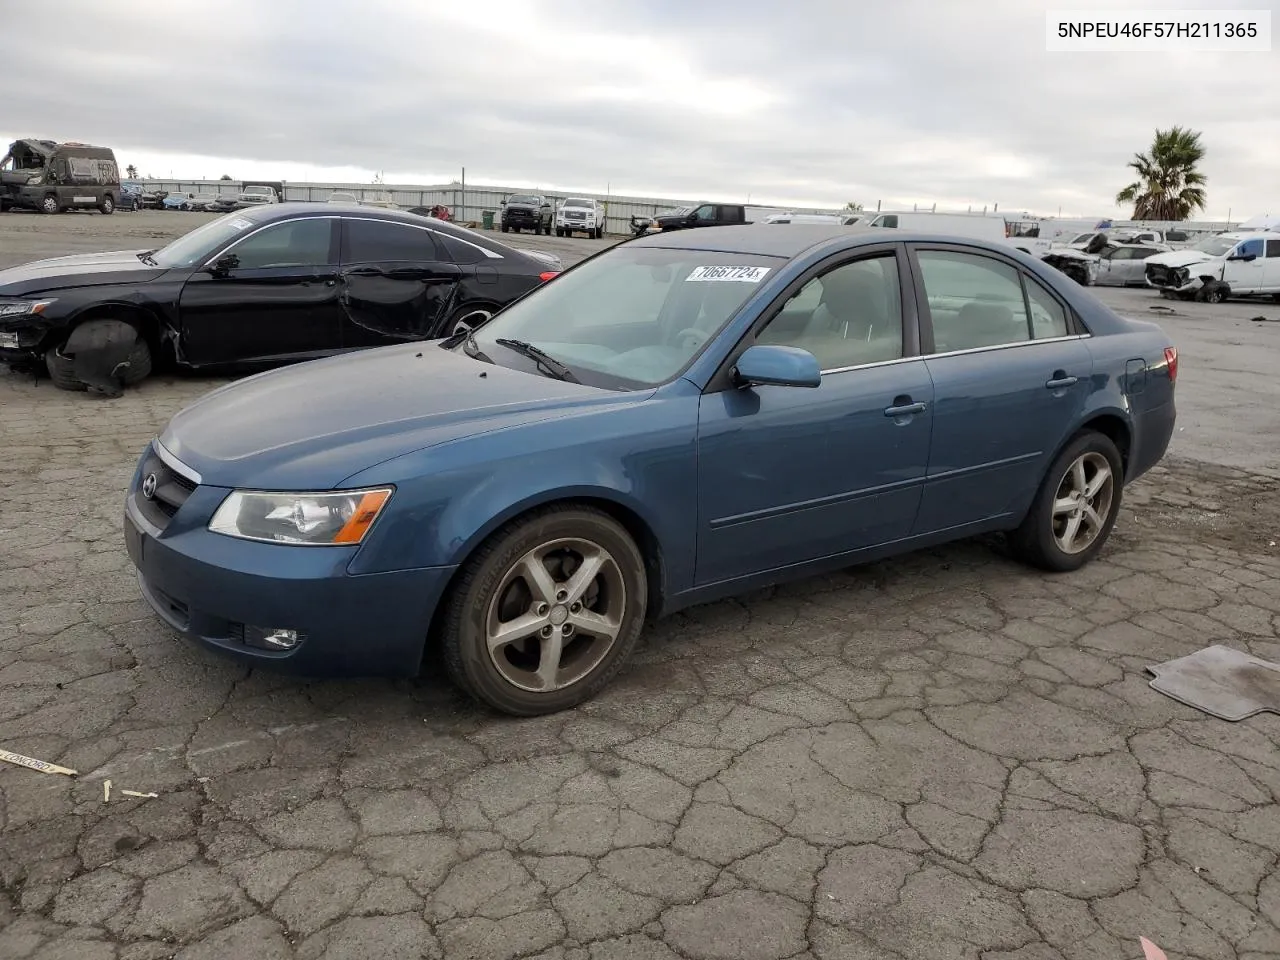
466	206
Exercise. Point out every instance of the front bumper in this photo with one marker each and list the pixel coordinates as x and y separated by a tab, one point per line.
209	588
1176	279
583	225
522	220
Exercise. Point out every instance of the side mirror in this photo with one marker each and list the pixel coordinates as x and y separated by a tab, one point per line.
223	265
778	366
1245	257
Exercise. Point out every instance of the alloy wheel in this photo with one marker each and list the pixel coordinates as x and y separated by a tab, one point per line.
556	614
1082	502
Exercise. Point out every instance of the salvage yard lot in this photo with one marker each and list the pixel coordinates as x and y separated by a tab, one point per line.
942	756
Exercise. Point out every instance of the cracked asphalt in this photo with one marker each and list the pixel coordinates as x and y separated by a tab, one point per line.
942	756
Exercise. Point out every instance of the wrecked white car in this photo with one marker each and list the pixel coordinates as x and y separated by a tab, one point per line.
1238	264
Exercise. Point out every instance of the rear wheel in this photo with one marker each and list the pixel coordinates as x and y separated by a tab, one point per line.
546	612
108	205
1075	508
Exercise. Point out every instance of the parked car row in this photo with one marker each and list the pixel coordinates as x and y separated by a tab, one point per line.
539	214
680	418
1213	269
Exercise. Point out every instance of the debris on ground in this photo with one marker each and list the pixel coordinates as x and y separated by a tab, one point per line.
106	791
1150	951
1221	681
32	763
135	793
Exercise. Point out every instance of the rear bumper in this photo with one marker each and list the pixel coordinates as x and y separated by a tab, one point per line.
210	588
1154	431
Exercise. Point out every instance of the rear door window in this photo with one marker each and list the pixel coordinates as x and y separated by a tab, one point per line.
380	241
1273	248
974	301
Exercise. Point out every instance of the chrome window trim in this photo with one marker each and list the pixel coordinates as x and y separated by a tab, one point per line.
959	353
176	465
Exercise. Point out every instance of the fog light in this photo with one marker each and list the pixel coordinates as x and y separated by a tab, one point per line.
271	638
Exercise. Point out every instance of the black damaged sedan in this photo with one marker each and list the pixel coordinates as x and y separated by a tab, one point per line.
274	284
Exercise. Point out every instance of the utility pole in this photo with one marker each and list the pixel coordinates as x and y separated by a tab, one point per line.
462	202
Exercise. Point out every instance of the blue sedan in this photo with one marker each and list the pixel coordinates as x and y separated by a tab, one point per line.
679	418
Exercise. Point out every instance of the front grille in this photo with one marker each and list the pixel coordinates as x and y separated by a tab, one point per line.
576	216
171	490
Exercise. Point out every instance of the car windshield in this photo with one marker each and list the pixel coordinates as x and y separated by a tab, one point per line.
578	202
262	190
522	200
196	246
1214	246
631	318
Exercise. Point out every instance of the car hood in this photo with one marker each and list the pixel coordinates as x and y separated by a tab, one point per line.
312	425
82	270
1179	258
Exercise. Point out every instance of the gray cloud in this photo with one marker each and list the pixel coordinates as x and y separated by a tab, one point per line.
810	101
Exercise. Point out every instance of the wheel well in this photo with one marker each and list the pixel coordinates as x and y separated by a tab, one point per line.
1114	429
630	521
146	322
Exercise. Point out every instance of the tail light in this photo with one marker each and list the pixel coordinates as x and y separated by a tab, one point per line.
544	277
1171	361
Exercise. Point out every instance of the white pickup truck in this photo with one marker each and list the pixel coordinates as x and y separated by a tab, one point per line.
580	215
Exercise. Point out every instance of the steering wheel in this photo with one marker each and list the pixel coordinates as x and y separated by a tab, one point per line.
693	334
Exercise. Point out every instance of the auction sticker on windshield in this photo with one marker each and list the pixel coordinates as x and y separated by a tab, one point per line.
737	274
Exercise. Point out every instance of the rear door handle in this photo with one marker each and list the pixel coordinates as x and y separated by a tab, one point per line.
1059	382
364	272
904	410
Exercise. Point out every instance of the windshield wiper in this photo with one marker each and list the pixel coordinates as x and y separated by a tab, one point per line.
549	364
147	258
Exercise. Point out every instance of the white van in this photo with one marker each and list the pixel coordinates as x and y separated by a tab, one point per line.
1238	264
980	226
831	219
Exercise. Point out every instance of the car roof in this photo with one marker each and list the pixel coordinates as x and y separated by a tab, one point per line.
791	240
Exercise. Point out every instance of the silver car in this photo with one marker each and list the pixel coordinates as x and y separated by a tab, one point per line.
1125	265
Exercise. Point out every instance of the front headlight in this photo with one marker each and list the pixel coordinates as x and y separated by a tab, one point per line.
339	518
22	308
32	181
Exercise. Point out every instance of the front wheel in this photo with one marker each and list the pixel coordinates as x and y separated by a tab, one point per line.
546	612
50	204
1075	508
1214	292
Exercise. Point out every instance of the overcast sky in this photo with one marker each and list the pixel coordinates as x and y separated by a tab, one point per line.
804	102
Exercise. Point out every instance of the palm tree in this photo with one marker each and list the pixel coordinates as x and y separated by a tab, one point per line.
1170	187
131	172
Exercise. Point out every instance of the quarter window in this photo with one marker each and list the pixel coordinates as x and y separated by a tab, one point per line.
974	301
846	317
295	243
378	241
1273	248
460	251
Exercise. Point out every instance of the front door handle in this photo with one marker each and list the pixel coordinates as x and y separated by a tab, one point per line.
1061	380
904	410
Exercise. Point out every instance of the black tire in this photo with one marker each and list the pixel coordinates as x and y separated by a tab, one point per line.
463	311
546	231
50	204
559	231
108	205
465	647
505	228
62	369
1214	293
1034	541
